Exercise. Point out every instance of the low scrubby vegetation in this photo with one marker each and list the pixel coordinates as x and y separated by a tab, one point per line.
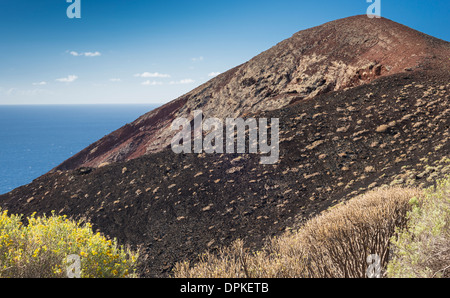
422	250
407	228
40	249
335	244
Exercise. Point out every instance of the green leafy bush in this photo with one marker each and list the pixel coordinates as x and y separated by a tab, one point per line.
40	249
423	249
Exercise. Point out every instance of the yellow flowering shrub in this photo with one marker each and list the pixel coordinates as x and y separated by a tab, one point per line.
40	249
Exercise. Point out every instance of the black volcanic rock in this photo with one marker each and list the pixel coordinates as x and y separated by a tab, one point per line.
361	102
334	56
177	206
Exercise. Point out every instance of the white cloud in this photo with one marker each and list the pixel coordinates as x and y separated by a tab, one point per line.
86	54
11	91
197	59
28	92
73	53
115	80
151	83
182	82
152	75
92	54
40	83
214	74
187	81
158	83
69	79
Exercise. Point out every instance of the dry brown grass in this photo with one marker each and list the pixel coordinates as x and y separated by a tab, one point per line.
332	245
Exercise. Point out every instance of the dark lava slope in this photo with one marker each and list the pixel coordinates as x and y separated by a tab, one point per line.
333	147
343	53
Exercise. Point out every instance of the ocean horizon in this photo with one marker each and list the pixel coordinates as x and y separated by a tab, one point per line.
37	138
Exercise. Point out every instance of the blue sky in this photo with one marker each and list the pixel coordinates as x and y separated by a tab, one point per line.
144	51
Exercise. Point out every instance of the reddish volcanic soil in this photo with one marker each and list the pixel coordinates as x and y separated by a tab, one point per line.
362	103
176	206
334	56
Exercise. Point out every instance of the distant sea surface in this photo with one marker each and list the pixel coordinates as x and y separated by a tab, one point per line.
35	139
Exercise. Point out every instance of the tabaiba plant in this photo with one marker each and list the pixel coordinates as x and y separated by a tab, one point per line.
422	249
335	244
40	249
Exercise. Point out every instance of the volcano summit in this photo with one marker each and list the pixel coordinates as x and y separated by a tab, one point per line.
335	56
361	103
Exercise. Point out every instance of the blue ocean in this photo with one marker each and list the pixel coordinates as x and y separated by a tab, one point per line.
36	138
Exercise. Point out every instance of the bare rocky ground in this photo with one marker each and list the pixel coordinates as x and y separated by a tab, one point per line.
334	56
394	130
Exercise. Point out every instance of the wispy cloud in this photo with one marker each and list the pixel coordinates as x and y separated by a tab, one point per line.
214	74
40	83
69	79
197	59
28	92
152	83
152	75
159	83
115	80
92	54
86	54
182	82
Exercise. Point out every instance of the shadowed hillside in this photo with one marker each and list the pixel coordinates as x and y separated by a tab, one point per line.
394	130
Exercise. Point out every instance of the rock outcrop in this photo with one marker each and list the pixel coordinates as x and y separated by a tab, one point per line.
176	206
334	56
362	103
